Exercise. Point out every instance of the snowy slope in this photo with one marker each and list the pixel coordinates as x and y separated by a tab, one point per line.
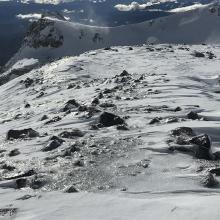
192	27
128	172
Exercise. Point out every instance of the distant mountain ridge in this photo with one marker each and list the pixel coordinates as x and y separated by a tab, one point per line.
192	27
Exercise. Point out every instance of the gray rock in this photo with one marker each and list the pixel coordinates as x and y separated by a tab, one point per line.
14	152
20	134
71	134
108	119
52	146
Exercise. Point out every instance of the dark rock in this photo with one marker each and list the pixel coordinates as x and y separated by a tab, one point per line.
124	73
185	131
25	174
107	48
94	127
36	36
27	105
203	146
38	182
44	117
107	105
108	91
28	82
25	197
154	121
19	134
177	109
144	163
122	127
70	105
8	167
55	119
72	134
71	189
8	211
95	101
21	183
71	86
193	116
82	108
100	96
210	55
215	171
216	155
108	119
40	95
14	152
172	120
198	54
52	146
210	181
70	150
55	138
78	163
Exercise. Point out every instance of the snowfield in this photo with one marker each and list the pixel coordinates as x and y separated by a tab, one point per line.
78	161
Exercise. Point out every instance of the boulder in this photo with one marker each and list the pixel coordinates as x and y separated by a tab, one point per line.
52	146
14	152
186	131
20	134
193	116
107	119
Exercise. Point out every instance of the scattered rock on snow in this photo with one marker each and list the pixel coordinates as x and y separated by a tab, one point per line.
108	119
71	134
71	189
52	146
53	120
38	182
198	54
44	117
193	116
24	133
25	174
21	183
8	211
203	143
154	121
210	181
183	131
71	104
122	127
14	152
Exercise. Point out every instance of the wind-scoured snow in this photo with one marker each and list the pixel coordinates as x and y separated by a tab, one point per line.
127	171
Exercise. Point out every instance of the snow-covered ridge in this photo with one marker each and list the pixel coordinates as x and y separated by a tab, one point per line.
192	27
59	145
189	8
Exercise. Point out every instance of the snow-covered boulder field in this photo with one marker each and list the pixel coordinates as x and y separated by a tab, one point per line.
116	133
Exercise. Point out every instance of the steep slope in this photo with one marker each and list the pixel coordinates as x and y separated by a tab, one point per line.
192	27
133	165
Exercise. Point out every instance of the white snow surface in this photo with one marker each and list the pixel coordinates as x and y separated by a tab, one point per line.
188	8
171	187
